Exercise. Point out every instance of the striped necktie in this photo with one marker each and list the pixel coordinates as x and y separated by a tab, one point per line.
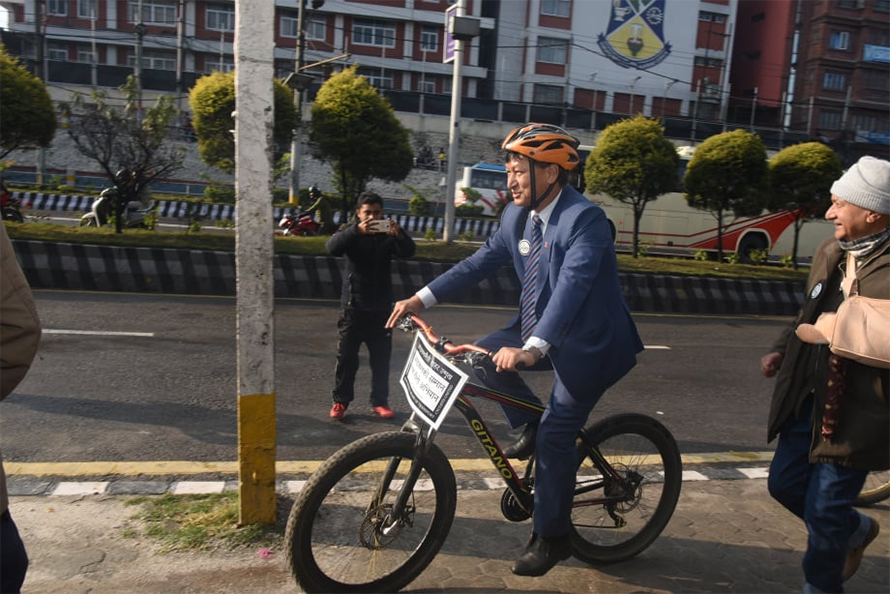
529	282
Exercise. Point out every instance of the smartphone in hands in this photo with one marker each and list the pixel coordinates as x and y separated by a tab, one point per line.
380	226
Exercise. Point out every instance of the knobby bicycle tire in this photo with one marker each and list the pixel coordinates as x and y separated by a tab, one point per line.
875	490
337	537
643	452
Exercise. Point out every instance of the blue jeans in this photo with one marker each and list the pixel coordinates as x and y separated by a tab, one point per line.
821	495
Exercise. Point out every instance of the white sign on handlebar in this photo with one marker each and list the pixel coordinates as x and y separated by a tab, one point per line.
431	382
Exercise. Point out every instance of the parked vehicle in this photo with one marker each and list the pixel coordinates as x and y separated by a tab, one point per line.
298	223
11	207
103	210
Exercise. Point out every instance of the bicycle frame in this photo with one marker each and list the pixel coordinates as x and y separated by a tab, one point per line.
520	487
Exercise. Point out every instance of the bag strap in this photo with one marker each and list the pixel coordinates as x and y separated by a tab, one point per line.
850	285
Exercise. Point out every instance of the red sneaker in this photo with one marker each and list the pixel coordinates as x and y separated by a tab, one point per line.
338	410
384	412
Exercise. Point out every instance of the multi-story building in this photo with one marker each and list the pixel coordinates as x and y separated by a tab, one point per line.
702	66
818	67
842	87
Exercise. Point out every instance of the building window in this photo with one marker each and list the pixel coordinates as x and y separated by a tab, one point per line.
711	17
834	81
154	12
879	36
429	39
882	5
288	27
829	119
863	122
552	51
548	94
849	3
377	33
840	40
758	17
708	62
379	79
57	7
213	64
447	85
427	84
220	17
86	9
84	54
57	51
558	8
875	80
316	28
155	60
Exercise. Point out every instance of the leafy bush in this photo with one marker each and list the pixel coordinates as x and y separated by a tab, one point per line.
758	256
466	236
788	260
473	196
430	234
469	210
220	194
701	255
420	206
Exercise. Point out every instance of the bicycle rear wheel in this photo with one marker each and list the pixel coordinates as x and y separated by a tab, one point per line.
340	537
616	519
875	489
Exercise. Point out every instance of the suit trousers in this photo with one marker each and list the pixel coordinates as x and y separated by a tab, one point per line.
368	327
556	456
821	495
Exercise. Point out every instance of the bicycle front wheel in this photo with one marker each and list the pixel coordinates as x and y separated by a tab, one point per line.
617	516
341	536
875	489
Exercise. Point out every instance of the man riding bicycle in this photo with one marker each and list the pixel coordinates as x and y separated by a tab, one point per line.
573	319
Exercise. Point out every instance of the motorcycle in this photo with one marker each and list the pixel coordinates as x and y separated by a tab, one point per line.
12	207
103	210
299	224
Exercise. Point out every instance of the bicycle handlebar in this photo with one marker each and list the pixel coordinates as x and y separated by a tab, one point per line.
411	322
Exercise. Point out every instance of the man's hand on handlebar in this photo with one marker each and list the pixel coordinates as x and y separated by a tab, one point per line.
411	305
508	358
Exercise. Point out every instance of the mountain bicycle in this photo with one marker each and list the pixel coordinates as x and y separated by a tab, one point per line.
376	513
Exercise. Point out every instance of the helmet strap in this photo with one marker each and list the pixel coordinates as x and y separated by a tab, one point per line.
535	201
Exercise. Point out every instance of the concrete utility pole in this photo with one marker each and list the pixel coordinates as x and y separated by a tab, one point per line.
254	74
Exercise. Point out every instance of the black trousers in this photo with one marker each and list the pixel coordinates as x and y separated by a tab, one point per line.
368	327
13	558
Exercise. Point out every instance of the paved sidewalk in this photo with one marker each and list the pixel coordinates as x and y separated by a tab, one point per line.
726	536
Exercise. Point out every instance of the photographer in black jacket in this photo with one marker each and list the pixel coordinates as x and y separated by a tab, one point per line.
369	246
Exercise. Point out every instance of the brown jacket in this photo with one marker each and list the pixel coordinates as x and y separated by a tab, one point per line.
862	437
19	331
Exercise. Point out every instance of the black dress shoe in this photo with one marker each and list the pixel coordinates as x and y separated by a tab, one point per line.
525	445
542	554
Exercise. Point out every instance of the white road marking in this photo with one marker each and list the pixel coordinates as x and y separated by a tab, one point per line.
656	347
97	333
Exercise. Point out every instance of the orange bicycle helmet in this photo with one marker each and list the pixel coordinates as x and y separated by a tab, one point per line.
544	143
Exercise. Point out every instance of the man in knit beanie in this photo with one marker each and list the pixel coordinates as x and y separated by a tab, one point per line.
831	415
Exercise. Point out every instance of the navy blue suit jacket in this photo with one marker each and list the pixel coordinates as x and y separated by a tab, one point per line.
580	308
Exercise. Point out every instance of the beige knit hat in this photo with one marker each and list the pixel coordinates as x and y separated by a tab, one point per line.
866	184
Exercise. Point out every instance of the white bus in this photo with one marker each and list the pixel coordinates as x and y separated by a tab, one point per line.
669	224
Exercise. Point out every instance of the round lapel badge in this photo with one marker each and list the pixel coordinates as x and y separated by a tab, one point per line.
524	247
817	290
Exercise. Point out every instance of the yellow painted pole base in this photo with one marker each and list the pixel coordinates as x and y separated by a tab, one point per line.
256	459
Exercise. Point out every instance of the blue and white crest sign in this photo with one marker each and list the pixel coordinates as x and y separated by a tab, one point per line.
635	36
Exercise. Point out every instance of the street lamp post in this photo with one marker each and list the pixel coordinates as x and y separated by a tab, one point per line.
297	141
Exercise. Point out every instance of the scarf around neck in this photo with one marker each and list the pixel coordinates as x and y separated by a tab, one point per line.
865	245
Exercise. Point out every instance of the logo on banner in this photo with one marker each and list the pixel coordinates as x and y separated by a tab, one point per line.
635	36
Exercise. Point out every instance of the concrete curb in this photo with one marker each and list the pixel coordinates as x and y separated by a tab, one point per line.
50	265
